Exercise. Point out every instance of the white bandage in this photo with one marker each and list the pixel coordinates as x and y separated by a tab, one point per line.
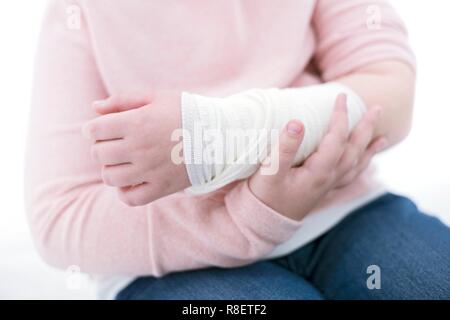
225	139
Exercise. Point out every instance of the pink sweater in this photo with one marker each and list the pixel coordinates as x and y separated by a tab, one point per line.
210	47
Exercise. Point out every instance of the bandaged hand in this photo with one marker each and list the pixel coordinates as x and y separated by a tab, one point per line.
226	139
295	191
132	142
133	139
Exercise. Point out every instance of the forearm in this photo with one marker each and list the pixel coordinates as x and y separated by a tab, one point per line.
246	117
364	44
390	85
89	227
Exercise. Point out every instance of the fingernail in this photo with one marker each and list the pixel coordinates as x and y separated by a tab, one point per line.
294	128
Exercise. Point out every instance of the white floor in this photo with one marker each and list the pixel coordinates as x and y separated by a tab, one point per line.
418	168
24	276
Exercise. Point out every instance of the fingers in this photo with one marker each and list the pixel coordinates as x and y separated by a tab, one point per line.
288	145
138	195
112	152
121	102
360	138
113	124
121	175
333	144
375	147
363	133
107	127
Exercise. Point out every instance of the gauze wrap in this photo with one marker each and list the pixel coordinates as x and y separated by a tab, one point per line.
226	139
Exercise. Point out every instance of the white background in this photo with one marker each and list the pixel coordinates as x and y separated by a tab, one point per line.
418	168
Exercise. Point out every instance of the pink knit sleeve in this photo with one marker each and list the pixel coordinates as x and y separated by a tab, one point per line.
354	33
76	220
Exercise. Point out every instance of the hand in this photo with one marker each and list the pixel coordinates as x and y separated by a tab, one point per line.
132	142
294	192
360	149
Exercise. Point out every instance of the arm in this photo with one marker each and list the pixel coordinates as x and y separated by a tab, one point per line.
364	45
76	219
375	62
389	84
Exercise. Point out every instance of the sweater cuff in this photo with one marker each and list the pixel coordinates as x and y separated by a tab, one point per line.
260	219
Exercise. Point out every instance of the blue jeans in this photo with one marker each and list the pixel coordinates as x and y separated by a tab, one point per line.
411	252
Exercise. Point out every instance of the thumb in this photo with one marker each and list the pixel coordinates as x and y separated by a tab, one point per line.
290	141
121	102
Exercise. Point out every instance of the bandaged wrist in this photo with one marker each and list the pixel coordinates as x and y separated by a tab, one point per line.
225	139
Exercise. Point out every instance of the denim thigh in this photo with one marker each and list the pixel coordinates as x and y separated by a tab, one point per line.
262	281
388	249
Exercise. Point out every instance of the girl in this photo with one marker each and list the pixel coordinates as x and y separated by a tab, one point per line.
311	232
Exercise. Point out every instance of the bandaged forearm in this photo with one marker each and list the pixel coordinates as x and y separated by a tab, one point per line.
226	139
